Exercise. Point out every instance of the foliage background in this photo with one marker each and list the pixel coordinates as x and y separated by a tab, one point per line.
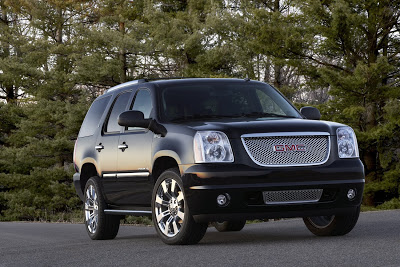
56	56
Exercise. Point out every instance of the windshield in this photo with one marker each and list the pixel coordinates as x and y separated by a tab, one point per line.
223	100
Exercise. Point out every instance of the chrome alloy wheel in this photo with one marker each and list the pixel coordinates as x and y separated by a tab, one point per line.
91	209
321	221
169	207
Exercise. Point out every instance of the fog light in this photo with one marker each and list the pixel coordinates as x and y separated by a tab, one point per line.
223	200
351	194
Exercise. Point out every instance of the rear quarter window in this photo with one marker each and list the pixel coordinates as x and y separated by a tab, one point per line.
92	119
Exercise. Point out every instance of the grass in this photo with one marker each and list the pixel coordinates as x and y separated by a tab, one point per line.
137	220
368	208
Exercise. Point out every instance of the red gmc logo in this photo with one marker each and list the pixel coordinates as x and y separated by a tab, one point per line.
291	147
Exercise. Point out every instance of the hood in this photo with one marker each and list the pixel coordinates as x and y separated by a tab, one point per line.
235	128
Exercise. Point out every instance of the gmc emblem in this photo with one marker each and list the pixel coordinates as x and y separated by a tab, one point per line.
291	147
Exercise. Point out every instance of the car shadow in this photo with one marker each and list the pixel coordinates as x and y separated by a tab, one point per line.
288	231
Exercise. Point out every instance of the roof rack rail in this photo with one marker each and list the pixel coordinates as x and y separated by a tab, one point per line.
125	84
144	80
167	78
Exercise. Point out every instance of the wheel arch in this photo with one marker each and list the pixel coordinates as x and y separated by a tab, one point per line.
88	170
164	160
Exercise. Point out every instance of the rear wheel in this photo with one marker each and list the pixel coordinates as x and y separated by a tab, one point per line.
332	225
98	224
229	226
171	215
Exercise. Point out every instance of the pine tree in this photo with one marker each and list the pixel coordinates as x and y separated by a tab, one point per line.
37	137
352	47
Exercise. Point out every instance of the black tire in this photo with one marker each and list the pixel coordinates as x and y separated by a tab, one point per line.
229	226
332	225
169	206
105	226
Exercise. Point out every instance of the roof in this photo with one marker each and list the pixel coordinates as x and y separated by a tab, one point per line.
172	80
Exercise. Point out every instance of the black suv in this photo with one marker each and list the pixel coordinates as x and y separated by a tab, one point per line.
193	151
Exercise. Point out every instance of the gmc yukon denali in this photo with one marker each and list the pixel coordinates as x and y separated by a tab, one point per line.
190	152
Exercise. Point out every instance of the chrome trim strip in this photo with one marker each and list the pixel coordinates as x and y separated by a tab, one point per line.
132	174
278	134
269	185
129	212
110	175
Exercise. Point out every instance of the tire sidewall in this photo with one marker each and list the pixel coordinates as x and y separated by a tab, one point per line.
101	205
170	174
321	230
340	225
229	226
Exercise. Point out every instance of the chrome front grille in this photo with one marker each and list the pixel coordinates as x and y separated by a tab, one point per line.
287	149
292	196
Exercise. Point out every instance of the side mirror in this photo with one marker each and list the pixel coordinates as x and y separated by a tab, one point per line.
311	113
135	118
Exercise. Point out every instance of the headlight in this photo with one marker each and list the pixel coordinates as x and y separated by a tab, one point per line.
212	146
347	143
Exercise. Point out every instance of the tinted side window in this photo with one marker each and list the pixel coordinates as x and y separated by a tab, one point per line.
93	117
118	107
142	103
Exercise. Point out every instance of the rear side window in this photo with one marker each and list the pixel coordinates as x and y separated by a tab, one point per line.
92	119
118	107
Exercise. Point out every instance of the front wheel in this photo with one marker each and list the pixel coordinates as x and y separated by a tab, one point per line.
98	224
334	225
171	215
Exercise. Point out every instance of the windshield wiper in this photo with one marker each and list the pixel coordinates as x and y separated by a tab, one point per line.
266	114
201	117
248	115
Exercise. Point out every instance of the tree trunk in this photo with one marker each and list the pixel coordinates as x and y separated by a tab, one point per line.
61	59
9	90
59	30
277	67
122	55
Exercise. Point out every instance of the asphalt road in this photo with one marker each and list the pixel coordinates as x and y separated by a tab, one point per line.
375	241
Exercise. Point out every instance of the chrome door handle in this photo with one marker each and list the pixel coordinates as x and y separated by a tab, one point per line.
123	146
99	147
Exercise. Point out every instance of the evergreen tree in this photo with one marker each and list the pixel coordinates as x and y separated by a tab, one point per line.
352	47
112	43
19	59
37	137
56	56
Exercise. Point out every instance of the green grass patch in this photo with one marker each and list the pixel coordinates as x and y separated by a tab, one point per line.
137	220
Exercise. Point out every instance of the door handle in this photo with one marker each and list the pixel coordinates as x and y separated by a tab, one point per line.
99	147
123	146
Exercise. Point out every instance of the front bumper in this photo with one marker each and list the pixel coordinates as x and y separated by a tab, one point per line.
245	186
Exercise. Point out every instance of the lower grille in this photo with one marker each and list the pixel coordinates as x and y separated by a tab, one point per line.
292	196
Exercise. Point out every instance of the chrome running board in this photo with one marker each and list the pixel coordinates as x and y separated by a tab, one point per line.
129	212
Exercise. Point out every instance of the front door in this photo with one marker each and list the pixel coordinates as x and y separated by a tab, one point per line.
134	157
107	147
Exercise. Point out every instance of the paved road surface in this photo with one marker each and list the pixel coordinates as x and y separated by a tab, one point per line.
375	241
